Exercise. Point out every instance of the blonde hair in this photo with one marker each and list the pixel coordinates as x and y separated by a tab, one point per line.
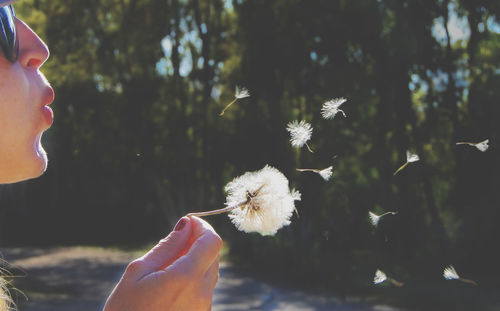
6	302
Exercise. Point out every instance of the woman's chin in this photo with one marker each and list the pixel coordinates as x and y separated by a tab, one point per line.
37	166
36	163
42	167
28	165
39	159
41	156
34	169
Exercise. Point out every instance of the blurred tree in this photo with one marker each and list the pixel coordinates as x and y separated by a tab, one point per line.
138	142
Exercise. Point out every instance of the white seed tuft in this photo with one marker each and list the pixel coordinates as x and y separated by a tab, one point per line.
380	277
241	92
450	273
374	218
300	133
411	157
483	146
331	108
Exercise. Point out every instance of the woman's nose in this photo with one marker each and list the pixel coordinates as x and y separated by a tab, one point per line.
33	52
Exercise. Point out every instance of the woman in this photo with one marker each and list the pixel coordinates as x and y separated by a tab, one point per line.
181	271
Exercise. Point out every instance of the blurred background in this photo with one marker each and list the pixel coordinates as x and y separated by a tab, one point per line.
137	140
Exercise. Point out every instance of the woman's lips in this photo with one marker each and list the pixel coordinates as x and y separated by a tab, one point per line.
48	98
48	115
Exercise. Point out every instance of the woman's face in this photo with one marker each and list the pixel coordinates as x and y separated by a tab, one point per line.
24	115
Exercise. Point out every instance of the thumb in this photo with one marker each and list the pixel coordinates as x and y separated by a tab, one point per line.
169	248
205	245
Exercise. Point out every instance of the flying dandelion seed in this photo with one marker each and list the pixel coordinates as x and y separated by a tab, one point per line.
300	133
481	146
410	158
381	277
259	201
241	93
374	218
324	173
238	94
331	108
450	273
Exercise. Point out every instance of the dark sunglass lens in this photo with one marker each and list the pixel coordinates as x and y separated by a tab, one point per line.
8	39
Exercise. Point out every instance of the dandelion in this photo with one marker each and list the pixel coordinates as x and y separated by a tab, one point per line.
450	273
481	146
300	133
239	94
374	218
331	108
326	173
381	277
259	201
410	157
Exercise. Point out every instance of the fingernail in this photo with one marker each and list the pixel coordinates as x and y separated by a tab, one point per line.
181	223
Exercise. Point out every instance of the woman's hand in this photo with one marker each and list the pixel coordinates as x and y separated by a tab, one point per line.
178	274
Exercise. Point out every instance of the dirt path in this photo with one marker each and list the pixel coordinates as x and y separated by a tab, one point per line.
80	278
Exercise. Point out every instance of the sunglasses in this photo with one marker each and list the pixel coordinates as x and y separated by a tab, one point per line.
8	38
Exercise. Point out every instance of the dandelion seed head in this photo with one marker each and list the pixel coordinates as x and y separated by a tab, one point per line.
374	218
241	92
300	133
411	157
483	146
331	108
326	173
265	201
450	273
379	277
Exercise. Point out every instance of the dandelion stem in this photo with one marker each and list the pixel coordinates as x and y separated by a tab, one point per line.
214	212
397	283
399	169
468	281
387	213
308	170
309	148
465	143
224	110
343	113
